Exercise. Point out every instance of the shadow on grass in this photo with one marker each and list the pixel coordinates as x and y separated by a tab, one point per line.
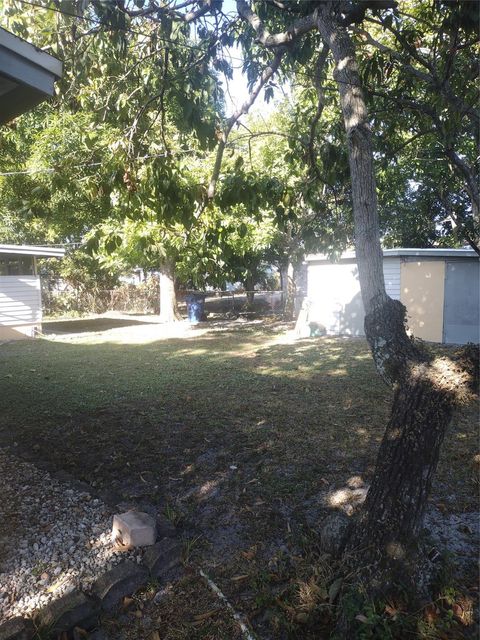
159	421
88	325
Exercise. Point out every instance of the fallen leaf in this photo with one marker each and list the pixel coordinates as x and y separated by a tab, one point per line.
56	585
431	613
334	590
458	611
154	636
251	553
197	621
361	618
391	611
239	578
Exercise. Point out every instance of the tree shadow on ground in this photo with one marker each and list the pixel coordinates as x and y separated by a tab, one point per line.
87	325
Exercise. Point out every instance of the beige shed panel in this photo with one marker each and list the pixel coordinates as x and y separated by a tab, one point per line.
422	292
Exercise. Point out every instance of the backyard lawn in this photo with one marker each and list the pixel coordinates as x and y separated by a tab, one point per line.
245	439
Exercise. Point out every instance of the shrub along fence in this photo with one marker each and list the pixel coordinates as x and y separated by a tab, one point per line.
127	298
143	299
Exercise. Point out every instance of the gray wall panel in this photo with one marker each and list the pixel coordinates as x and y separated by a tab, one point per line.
461	318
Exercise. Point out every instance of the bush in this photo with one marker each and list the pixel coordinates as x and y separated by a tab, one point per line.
127	298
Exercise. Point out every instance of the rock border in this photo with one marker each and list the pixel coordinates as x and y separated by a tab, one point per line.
83	609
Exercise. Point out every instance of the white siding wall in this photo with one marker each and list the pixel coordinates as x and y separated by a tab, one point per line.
20	300
334	293
391	272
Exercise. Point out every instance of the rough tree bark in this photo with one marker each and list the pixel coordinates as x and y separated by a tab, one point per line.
249	285
287	283
168	299
426	389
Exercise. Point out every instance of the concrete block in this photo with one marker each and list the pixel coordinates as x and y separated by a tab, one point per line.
162	557
17	629
134	528
123	580
71	610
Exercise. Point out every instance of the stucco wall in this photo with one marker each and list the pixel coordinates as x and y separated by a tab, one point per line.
422	292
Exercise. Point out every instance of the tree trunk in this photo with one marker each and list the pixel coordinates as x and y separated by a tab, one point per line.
360	153
287	283
393	511
392	516
168	299
249	285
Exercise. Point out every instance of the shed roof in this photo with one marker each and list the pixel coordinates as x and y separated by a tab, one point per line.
396	253
32	250
27	75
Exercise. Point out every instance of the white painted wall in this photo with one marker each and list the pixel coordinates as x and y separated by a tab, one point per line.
20	300
334	294
391	272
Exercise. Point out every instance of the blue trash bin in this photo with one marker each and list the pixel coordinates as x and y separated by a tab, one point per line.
195	307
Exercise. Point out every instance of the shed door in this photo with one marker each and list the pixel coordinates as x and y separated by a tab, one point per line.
461	317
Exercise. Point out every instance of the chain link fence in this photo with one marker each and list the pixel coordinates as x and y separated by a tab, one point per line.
143	299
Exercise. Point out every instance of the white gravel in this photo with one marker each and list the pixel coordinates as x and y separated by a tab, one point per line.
52	538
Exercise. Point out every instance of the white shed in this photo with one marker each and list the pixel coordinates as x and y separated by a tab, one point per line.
20	293
439	287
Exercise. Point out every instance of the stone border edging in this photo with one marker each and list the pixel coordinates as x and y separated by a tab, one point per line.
80	609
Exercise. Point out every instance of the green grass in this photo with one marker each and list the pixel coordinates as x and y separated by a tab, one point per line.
236	435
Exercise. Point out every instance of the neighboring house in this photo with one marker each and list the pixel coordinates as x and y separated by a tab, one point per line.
439	287
27	76
136	277
20	294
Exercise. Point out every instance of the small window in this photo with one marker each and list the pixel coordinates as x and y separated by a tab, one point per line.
16	265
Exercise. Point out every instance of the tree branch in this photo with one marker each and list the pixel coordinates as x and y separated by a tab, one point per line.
174	12
319	69
431	78
268	72
296	29
258	134
471	180
459	221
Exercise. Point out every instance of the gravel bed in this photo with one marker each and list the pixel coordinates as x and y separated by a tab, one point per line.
52	538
